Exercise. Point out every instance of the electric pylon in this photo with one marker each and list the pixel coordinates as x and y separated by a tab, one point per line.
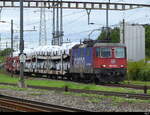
57	38
42	31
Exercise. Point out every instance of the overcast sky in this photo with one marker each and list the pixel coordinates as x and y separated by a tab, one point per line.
75	21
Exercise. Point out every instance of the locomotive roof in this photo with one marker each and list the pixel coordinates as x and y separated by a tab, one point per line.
98	44
109	44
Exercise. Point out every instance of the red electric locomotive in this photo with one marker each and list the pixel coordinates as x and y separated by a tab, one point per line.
98	62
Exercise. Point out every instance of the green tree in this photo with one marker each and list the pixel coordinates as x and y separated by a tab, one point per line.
147	40
5	52
113	35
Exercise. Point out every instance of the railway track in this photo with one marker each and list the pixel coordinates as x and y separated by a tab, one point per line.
127	86
111	84
107	93
13	104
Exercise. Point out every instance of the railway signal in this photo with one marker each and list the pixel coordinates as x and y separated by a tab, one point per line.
22	58
22	80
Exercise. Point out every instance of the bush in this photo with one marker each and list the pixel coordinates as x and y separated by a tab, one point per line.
139	71
5	52
145	73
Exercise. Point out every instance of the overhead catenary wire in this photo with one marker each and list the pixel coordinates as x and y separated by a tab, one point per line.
75	20
64	16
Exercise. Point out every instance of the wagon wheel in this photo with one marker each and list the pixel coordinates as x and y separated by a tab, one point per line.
76	78
96	80
88	78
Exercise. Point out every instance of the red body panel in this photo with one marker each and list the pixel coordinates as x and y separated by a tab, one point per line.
112	62
12	64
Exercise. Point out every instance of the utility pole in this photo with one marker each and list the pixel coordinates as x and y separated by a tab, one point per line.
53	34
0	41
0	20
88	13
0	12
123	30
22	81
57	23
61	24
12	44
6	45
107	25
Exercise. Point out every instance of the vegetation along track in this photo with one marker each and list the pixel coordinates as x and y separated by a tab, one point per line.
107	93
13	104
127	86
105	84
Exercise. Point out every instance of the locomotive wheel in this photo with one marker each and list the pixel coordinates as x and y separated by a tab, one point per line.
68	77
75	78
87	78
100	79
96	80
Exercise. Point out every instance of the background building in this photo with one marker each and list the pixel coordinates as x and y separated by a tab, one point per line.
134	39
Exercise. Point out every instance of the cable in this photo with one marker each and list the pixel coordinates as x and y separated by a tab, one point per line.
51	18
75	20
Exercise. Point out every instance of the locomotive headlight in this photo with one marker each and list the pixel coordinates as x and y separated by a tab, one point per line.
103	65
122	66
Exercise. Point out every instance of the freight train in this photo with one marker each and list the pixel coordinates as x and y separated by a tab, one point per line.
90	61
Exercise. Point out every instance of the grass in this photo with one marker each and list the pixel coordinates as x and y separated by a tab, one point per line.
12	88
142	83
94	98
7	79
72	85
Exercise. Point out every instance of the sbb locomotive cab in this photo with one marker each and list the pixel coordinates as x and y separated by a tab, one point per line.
110	63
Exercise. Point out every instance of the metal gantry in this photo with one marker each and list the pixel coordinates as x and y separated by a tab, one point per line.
71	4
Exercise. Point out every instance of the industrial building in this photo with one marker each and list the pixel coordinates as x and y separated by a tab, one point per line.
133	35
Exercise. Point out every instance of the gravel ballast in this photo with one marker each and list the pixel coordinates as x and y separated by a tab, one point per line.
89	103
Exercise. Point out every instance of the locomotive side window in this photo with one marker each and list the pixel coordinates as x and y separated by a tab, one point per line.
78	51
120	52
88	52
75	53
97	52
81	52
105	52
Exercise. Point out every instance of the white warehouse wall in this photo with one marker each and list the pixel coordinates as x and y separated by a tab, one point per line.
134	40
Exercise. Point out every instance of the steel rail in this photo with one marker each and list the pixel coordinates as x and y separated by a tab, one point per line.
126	86
71	5
108	93
22	105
